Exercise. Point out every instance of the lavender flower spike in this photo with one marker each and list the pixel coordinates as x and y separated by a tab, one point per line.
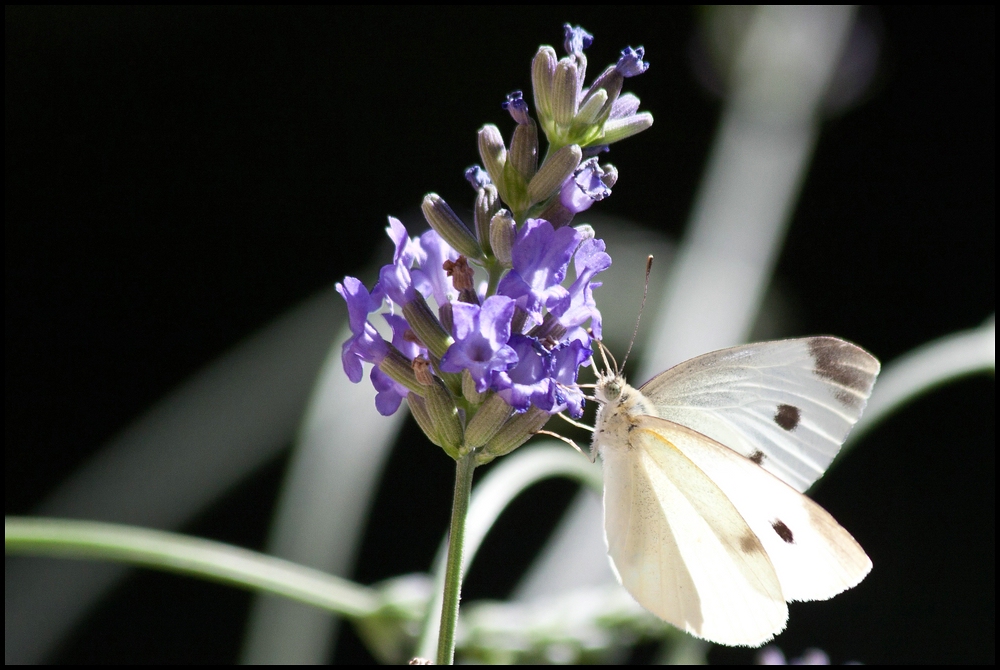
481	335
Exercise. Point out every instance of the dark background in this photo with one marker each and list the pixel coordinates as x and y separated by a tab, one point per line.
177	178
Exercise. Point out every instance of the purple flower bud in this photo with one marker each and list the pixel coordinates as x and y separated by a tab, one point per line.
630	64
517	106
478	177
576	39
481	334
584	187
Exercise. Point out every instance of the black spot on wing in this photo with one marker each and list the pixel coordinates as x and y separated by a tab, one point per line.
783	531
757	456
749	544
847	366
788	417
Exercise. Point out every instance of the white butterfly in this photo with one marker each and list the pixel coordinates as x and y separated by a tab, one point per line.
704	468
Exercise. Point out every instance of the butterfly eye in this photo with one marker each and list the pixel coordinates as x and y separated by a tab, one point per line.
612	390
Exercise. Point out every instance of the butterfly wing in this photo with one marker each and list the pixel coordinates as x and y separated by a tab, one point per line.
682	549
813	556
787	405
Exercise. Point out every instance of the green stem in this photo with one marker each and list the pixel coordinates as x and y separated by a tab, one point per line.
495	271
69	538
453	573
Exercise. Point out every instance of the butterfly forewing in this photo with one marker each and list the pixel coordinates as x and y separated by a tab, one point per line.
787	405
683	550
813	556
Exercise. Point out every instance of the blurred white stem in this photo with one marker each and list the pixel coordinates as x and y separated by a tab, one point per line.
324	501
755	170
925	368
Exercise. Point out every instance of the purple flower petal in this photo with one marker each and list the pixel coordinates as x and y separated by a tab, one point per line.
430	278
400	327
407	251
540	256
527	383
397	283
390	393
566	361
590	258
359	302
584	187
481	335
367	346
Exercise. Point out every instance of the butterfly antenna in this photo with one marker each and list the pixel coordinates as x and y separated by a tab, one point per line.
645	292
613	360
604	356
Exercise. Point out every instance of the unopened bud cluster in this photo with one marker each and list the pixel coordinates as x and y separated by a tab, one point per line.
486	340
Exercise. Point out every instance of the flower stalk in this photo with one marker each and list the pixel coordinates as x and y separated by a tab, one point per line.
491	322
453	572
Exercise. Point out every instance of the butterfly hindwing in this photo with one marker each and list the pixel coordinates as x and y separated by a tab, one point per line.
813	556
787	405
682	549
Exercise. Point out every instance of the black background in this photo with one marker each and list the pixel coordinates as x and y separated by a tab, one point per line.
177	178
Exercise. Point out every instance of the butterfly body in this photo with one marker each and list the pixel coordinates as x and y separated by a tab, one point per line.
704	519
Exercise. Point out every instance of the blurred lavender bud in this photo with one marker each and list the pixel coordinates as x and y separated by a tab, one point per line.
477	177
543	71
425	326
469	391
422	415
524	144
487	421
493	153
618	129
442	219
487	204
565	93
399	368
630	64
517	106
590	110
553	173
576	39
503	231
514	433
444	417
